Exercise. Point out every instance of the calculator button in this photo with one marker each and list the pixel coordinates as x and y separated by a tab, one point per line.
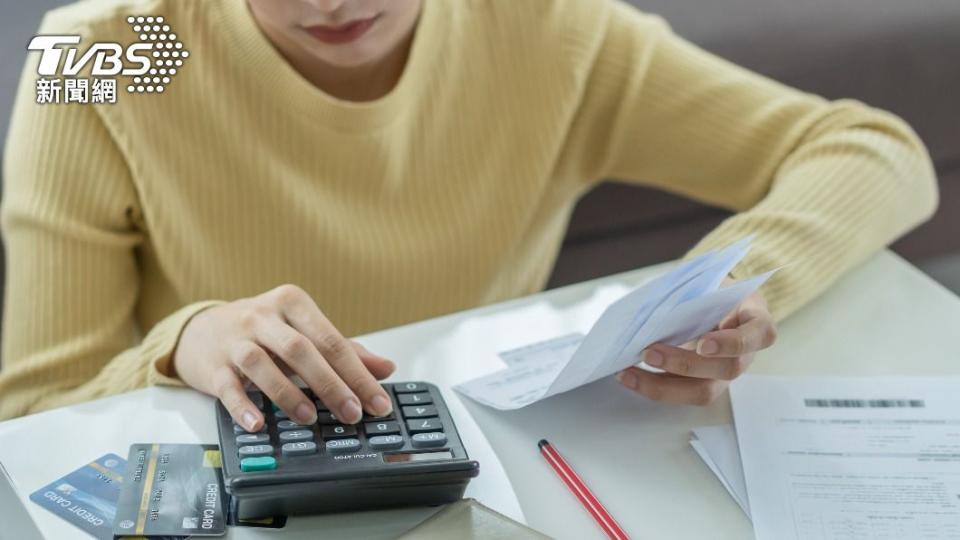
424	425
342	446
294	436
372	418
385	442
334	432
278	414
424	440
289	425
302	448
256	398
263	463
252	438
425	411
416	398
381	428
240	430
404	388
327	418
256	450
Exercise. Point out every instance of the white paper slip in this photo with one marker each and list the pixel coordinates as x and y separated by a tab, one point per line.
829	458
561	347
673	308
717	447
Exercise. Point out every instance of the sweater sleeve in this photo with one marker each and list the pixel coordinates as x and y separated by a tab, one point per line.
69	219
821	184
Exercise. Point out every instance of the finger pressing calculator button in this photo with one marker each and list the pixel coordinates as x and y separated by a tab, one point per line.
385	442
381	428
302	448
327	418
256	450
252	438
424	425
296	435
415	398
342	446
263	463
289	425
371	418
424	411
404	388
425	440
239	430
334	432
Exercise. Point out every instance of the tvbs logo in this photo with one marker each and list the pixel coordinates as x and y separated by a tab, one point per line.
152	62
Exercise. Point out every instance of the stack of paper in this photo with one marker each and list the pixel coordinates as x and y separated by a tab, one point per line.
717	447
827	458
674	308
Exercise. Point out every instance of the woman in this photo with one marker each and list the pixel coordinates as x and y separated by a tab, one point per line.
325	168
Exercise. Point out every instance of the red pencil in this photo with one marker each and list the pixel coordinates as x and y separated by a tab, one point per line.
583	493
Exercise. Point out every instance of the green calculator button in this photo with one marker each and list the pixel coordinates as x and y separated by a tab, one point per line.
263	463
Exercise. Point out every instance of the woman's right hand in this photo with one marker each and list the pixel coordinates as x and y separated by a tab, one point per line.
260	339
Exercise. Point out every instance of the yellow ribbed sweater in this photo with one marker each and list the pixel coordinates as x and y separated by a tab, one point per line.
454	190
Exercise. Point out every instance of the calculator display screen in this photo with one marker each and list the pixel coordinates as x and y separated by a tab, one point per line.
416	456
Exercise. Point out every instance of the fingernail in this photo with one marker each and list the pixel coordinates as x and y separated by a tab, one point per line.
350	411
381	405
653	358
249	421
306	414
708	346
627	379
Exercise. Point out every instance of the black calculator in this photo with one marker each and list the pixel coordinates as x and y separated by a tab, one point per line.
412	457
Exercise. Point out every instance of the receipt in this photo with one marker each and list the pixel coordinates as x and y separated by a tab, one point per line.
673	308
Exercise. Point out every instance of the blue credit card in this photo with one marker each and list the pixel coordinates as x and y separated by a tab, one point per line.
87	497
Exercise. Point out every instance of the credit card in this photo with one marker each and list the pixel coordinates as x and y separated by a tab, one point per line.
172	490
86	497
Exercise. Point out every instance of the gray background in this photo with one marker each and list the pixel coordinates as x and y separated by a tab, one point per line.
900	56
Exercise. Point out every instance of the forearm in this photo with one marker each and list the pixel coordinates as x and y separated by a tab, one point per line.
858	179
58	375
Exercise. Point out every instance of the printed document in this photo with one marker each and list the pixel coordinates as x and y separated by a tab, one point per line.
830	458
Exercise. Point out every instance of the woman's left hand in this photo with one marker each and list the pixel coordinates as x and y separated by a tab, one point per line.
699	375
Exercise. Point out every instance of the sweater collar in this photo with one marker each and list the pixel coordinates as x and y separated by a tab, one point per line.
269	71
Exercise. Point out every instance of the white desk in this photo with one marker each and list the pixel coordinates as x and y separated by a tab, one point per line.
883	318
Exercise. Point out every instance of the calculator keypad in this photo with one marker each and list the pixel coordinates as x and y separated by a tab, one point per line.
429	440
416	425
253	438
302	448
385	442
381	428
342	446
338	432
415	398
420	411
256	450
424	425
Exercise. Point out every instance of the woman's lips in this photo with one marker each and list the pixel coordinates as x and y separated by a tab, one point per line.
344	33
